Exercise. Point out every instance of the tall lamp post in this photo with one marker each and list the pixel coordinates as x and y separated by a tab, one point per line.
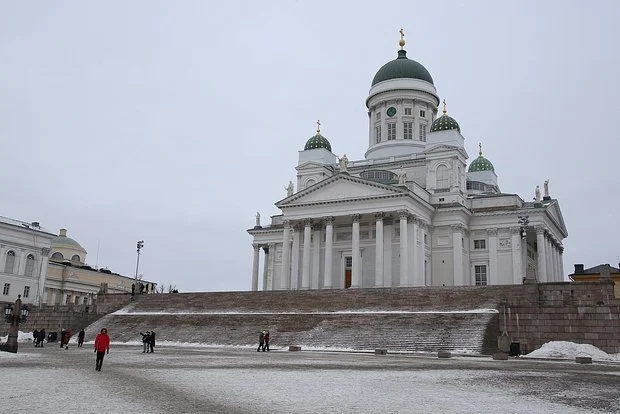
139	245
523	222
14	314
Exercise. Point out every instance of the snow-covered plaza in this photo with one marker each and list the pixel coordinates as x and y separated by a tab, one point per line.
191	379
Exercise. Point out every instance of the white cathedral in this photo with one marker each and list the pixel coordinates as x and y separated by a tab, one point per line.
410	213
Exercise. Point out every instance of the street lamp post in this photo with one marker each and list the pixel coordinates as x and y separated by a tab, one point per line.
14	315
139	245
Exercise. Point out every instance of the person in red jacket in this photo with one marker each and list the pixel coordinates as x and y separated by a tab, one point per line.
102	346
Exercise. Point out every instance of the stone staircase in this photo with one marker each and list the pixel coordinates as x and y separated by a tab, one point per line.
399	320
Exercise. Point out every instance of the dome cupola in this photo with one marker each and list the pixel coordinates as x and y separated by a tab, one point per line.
445	122
318	140
480	163
402	67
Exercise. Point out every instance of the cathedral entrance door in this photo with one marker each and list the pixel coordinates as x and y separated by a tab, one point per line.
347	278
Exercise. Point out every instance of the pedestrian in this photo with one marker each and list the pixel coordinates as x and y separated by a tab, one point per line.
35	335
146	340
266	346
41	337
67	337
62	338
152	340
102	347
81	338
261	341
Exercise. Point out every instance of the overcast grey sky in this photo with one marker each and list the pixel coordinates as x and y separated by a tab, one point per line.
174	122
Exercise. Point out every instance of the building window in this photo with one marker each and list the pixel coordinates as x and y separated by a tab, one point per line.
408	130
378	134
481	275
442	177
391	131
426	239
407	111
348	262
58	256
68	300
480	244
10	262
422	114
422	132
77	300
85	301
75	258
26	291
6	289
378	116
29	266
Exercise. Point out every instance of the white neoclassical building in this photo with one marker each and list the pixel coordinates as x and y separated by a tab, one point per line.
411	213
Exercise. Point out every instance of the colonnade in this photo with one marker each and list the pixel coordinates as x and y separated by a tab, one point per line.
301	255
550	264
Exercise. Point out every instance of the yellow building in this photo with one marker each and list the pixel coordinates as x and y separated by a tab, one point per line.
597	273
71	281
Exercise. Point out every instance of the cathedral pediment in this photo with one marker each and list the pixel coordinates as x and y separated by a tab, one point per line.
440	148
555	213
341	187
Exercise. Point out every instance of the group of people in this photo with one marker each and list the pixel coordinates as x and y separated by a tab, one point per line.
38	337
148	341
263	341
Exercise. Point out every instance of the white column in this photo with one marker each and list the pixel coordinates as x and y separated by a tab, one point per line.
548	257
412	250
266	284
421	249
305	270
295	259
492	278
356	268
20	261
379	250
556	262
515	244
404	248
256	248
457	255
45	253
388	231
329	252
316	255
561	254
3	250
540	250
286	256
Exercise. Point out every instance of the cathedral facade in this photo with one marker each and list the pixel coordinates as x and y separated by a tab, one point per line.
411	213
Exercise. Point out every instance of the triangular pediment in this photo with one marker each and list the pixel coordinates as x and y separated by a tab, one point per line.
555	213
341	187
310	164
439	148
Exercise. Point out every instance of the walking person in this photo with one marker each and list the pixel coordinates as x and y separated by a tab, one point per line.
266	346
81	338
146	340
261	341
152	340
102	347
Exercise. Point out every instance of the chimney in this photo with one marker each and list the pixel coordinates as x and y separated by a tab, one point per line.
62	233
579	268
605	271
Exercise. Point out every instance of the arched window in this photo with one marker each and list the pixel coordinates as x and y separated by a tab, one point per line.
310	182
442	177
29	265
58	256
75	258
10	262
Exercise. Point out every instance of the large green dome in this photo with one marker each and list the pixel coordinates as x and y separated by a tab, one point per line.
402	67
318	141
481	164
444	123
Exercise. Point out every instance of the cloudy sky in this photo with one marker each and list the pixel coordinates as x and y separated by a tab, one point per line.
174	122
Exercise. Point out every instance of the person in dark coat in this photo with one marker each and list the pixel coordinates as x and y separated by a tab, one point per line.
81	338
152	341
35	335
62	338
41	338
146	340
261	341
266	346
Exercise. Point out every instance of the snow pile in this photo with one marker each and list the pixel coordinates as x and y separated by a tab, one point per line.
570	350
21	337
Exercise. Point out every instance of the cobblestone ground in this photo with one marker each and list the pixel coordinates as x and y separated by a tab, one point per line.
197	380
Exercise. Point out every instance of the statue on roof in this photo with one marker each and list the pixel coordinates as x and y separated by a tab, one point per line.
537	194
402	178
289	189
343	163
546	186
257	219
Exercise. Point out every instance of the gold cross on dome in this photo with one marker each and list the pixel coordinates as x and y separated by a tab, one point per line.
402	38
318	126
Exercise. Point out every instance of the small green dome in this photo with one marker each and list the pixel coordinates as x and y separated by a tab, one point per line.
318	141
444	123
481	164
402	67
